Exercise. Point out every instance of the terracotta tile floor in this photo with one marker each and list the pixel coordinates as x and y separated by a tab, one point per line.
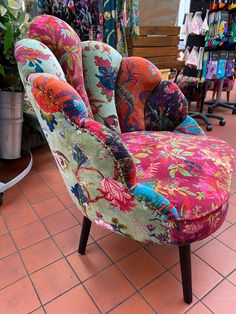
41	272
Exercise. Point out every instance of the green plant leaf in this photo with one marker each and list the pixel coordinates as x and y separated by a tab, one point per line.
5	5
21	17
9	37
2	72
2	26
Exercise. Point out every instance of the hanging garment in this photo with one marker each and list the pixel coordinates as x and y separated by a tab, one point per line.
196	23
205	27
193	58
101	20
200	58
186	29
84	16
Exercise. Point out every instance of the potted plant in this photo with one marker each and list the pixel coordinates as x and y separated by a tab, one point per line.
12	22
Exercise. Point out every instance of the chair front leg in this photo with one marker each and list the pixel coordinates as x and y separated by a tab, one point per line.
84	235
186	273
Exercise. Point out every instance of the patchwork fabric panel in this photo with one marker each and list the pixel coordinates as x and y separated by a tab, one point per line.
101	64
165	108
136	80
66	46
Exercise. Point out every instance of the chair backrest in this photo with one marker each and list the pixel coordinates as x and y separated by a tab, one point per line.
65	44
115	89
101	65
136	80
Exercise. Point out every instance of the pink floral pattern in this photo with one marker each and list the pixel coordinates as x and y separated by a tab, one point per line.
66	46
116	193
196	181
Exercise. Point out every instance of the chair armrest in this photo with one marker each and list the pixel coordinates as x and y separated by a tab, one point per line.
54	96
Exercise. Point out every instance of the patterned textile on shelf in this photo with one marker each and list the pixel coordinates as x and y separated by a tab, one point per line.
97	20
150	185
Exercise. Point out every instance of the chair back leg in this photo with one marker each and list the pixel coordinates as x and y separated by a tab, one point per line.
84	235
186	274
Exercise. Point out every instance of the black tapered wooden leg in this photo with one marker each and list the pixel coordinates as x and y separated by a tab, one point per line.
84	235
186	273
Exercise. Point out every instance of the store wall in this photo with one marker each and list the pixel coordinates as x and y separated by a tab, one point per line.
158	12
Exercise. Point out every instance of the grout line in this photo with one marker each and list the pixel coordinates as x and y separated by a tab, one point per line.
63	256
234	250
36	292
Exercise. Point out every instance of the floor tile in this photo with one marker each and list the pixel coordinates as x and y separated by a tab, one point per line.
20	217
117	246
233	198
58	188
30	234
98	232
53	280
11	269
38	311
6	245
48	207
165	295
231	216
31	180
10	204
89	264
3	227
222	300
39	194
140	268
66	200
19	297
218	256
224	226
109	288
167	255
74	301
228	237
59	222
199	308
50	177
76	213
68	241
196	245
12	192
204	278
40	255
232	278
135	304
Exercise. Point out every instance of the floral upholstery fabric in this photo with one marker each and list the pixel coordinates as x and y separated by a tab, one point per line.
34	56
196	181
165	108
136	80
66	46
100	82
189	126
163	187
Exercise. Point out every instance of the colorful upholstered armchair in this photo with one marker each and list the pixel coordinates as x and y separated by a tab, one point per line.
103	116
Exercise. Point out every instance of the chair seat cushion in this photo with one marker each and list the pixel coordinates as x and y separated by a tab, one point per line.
192	172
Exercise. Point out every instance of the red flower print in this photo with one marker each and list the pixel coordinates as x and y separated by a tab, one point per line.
116	193
100	62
